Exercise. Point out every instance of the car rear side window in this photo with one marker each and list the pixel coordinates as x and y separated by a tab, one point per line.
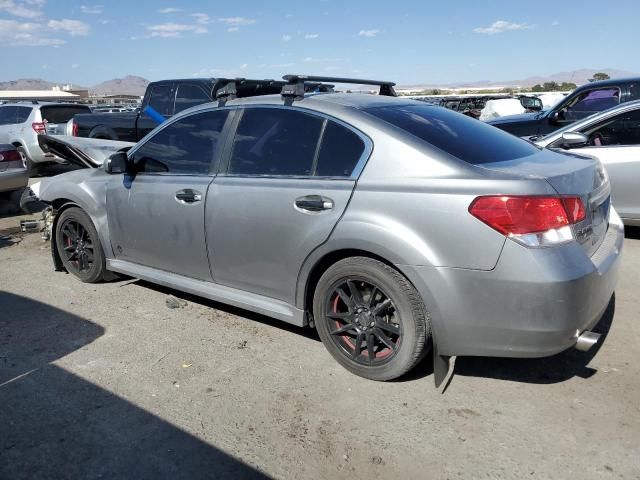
634	91
160	99
61	113
340	151
187	146
463	137
190	96
22	114
271	141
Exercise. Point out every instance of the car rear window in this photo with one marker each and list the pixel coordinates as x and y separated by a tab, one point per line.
62	113
463	137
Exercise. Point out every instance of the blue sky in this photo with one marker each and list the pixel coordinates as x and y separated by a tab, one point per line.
409	42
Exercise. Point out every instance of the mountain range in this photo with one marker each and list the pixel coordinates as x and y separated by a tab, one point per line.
578	77
134	85
131	85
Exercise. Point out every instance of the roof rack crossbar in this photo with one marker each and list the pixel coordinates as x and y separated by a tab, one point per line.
295	88
229	91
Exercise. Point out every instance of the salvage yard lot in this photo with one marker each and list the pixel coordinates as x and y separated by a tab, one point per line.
108	381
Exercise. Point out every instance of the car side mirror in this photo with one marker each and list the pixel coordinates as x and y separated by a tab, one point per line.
531	103
554	118
574	139
117	163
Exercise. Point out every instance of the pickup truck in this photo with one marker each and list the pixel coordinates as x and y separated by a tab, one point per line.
583	101
166	97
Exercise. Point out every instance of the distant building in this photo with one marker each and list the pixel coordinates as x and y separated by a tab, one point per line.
44	95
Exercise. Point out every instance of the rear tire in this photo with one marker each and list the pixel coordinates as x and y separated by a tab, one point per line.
370	318
32	168
79	247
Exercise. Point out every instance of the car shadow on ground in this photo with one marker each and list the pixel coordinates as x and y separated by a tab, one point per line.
55	424
558	368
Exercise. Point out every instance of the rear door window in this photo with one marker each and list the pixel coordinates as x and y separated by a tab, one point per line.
7	115
160	99
61	113
463	137
189	96
624	129
275	141
187	146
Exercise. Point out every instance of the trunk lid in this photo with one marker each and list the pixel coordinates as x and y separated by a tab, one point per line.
570	174
85	152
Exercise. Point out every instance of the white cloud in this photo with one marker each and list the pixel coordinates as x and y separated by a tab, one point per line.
173	30
369	33
201	18
236	21
92	9
500	26
311	36
72	27
233	29
170	10
286	38
223	72
26	9
555	23
16	34
75	66
103	21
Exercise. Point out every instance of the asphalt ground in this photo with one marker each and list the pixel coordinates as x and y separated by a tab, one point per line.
129	380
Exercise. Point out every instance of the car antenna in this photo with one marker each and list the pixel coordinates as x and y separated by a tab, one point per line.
297	85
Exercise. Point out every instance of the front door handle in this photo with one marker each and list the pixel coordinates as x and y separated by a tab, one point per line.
188	196
313	203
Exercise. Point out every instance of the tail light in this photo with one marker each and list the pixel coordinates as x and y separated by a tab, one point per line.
74	129
10	156
532	221
39	127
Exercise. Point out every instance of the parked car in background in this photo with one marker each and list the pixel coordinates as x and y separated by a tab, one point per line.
473	105
362	215
21	123
13	171
612	136
583	101
166	97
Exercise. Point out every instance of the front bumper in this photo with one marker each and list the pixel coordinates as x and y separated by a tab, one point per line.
13	179
534	303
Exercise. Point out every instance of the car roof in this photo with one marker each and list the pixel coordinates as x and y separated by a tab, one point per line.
612	82
324	102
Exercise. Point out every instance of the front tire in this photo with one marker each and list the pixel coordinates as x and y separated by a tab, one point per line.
79	247
370	318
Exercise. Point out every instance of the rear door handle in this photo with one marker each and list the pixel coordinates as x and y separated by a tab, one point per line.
188	196
313	203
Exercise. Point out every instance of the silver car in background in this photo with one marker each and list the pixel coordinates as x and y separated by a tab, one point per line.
390	225
21	123
13	172
613	137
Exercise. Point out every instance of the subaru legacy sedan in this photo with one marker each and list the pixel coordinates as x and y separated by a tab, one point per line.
391	226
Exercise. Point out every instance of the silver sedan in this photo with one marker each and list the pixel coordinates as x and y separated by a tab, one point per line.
13	173
612	136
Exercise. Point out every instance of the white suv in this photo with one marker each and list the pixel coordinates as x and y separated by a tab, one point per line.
21	123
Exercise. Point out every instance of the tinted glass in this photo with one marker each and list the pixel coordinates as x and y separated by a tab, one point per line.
7	115
634	91
22	114
190	96
184	147
591	102
621	130
160	99
340	151
463	137
61	114
275	142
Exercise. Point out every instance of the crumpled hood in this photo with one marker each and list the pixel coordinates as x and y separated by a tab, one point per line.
85	152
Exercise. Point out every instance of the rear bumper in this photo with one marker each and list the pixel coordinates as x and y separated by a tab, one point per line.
534	303
14	179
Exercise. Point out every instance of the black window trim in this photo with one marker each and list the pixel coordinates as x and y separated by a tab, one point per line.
214	167
357	169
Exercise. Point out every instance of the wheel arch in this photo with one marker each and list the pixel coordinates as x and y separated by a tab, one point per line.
103	132
59	205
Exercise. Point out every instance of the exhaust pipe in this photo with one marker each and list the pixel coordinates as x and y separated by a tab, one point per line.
586	340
